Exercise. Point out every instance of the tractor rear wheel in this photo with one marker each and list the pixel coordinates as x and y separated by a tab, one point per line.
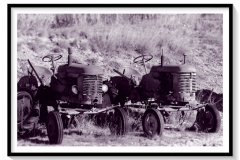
24	105
153	123
118	122
54	127
209	120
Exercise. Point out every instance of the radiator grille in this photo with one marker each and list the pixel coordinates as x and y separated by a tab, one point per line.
187	82
92	84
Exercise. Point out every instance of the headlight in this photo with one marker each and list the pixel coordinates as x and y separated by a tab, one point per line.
104	88
74	89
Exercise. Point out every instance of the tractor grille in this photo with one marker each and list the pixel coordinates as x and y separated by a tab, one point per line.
187	82
92	84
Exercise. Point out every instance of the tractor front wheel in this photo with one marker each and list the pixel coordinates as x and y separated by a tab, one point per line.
118	122
54	127
209	120
153	123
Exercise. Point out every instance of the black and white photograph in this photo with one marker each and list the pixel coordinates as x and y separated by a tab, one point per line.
120	79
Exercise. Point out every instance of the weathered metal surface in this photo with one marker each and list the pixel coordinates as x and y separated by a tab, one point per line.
80	69
96	110
172	68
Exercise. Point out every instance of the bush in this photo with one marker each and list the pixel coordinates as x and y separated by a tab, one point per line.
114	64
42	33
65	34
56	50
92	61
74	43
33	46
62	44
83	35
63	20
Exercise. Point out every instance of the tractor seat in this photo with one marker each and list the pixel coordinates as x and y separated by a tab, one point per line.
129	71
42	71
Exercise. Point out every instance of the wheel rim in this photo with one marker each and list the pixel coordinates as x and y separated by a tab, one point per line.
206	121
24	106
116	125
52	132
151	124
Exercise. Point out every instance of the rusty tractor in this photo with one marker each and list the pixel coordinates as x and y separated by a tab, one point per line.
78	89
74	89
165	89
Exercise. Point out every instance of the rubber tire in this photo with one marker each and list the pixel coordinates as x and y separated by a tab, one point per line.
57	137
160	122
216	117
123	116
31	98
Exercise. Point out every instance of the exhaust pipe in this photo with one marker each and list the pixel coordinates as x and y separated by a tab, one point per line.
69	56
162	59
184	58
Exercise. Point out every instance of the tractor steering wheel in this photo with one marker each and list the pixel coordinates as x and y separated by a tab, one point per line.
51	57
142	59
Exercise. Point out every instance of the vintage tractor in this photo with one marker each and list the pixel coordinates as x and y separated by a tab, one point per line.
165	89
73	89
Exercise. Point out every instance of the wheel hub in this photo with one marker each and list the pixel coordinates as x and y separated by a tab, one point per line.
151	123
205	120
24	106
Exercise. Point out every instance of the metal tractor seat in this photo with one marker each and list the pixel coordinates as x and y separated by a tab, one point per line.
129	71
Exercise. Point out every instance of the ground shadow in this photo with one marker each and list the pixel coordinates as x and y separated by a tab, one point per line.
140	135
71	132
35	136
38	141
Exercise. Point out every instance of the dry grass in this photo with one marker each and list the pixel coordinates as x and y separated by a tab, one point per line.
88	134
210	97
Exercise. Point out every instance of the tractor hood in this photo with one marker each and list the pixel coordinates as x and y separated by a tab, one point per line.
81	69
173	69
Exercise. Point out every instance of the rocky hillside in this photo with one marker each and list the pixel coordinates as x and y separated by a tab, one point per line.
112	41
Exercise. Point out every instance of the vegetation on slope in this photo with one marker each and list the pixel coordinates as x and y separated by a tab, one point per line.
112	41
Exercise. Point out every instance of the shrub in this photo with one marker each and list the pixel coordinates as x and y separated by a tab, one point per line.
62	44
74	43
33	46
141	48
65	34
92	61
30	32
63	20
114	64
37	41
56	50
42	33
83	45
83	35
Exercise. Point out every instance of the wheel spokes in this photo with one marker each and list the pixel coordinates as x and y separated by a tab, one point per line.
209	120
24	105
151	124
